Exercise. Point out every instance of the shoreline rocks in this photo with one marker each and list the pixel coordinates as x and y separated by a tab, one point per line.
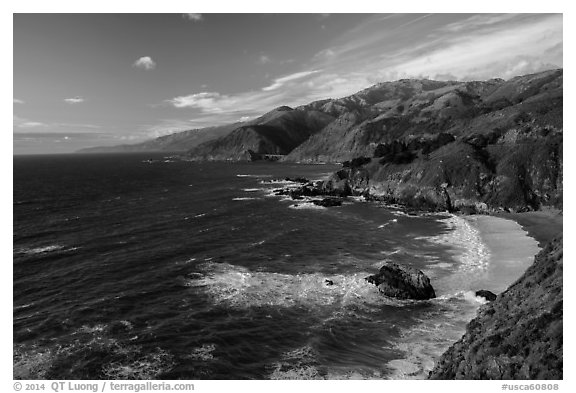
488	295
402	282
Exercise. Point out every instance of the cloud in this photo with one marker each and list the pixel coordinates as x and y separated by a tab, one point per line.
19	122
193	17
17	101
214	102
145	63
279	82
74	100
264	59
390	47
478	21
384	48
207	101
504	52
214	108
23	125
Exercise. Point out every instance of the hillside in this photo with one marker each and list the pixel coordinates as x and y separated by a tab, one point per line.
498	149
276	133
406	110
177	142
519	335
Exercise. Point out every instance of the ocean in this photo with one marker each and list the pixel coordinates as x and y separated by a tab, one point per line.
146	267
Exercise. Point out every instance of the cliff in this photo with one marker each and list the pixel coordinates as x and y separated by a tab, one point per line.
469	175
517	336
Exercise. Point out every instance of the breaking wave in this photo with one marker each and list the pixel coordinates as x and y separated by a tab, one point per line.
238	287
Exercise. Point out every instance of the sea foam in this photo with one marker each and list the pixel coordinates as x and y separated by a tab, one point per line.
238	287
465	240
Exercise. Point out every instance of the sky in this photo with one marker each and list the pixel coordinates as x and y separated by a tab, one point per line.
82	80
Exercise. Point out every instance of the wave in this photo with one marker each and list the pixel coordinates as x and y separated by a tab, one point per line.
298	364
281	181
253	176
203	353
129	361
465	241
426	341
306	205
303	364
393	221
45	249
251	189
148	366
455	306
238	287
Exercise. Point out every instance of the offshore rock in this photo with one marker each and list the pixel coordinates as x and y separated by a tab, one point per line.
402	282
490	296
328	202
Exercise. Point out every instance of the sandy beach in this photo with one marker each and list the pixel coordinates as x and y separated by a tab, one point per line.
512	250
543	225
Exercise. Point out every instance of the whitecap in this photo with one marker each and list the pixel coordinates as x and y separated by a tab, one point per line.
465	241
244	199
306	205
250	175
203	353
148	366
238	287
45	249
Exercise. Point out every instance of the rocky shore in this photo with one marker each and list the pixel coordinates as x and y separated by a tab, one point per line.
516	334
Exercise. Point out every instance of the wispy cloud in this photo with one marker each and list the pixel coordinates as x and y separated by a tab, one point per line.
206	101
215	106
24	125
478	21
467	47
497	53
267	59
193	17
145	62
264	59
279	82
74	100
382	48
17	101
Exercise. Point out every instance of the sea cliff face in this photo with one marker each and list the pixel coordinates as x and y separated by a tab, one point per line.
517	336
464	175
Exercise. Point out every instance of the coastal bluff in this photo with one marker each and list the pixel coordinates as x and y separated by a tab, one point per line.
519	335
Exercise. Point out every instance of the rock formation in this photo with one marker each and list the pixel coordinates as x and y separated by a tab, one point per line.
488	295
402	282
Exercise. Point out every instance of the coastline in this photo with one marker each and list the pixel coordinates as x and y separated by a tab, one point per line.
493	253
519	244
512	249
